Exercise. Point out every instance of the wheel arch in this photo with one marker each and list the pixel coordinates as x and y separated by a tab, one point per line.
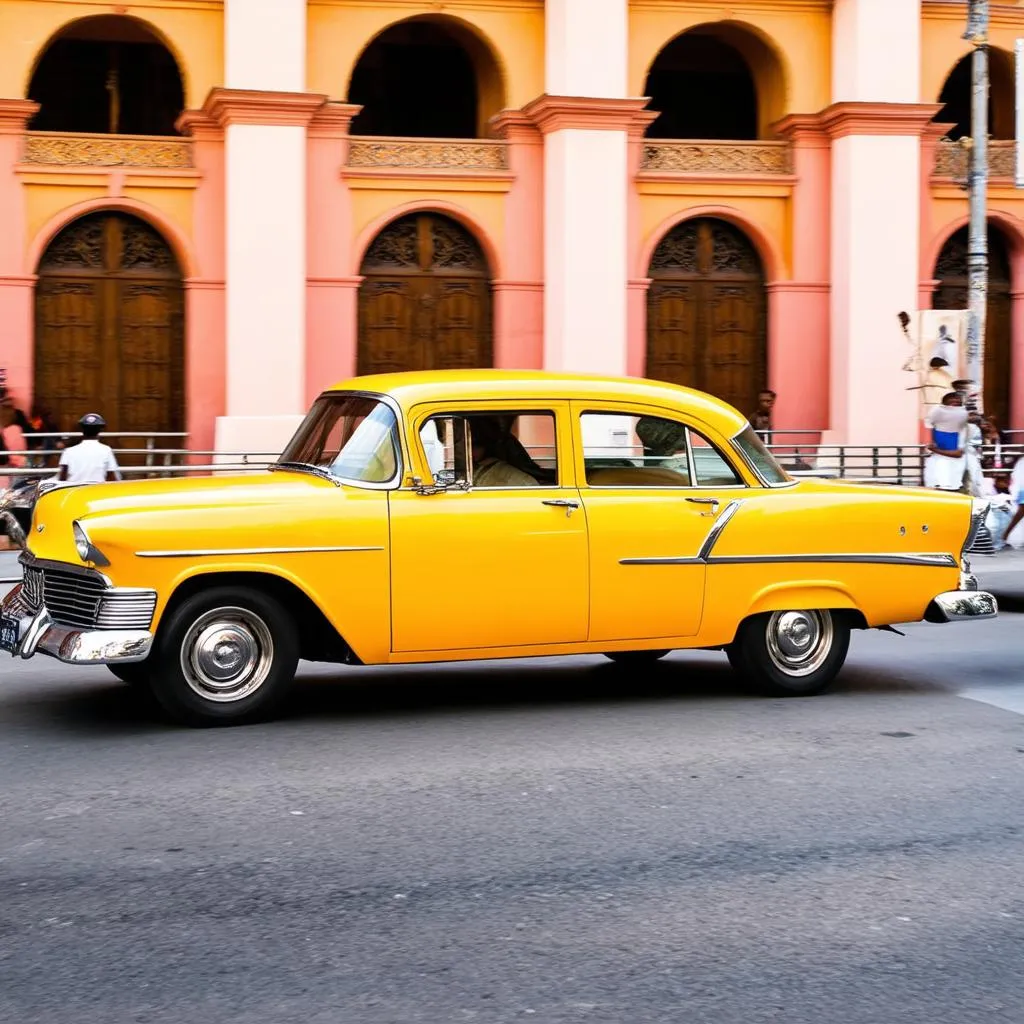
320	640
810	595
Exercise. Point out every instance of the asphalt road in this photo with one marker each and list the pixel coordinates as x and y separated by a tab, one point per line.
546	841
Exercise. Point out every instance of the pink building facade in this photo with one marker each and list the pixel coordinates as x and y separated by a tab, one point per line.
732	203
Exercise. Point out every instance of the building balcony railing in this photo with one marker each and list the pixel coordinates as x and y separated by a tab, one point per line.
78	149
427	154
711	156
952	159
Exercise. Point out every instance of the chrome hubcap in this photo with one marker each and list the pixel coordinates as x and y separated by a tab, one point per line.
799	642
227	654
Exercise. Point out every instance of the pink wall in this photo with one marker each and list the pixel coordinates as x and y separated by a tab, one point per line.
331	289
519	294
16	285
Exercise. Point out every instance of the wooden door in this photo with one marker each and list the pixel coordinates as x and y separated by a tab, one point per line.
425	302
706	313
952	293
110	326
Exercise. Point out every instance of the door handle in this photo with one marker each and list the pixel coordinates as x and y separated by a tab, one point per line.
562	503
713	502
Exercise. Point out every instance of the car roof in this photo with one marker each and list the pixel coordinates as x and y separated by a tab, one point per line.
413	388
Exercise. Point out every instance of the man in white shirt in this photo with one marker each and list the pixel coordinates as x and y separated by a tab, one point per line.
90	461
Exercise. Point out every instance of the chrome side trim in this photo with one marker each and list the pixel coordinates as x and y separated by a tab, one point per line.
716	531
880	558
703	555
217	552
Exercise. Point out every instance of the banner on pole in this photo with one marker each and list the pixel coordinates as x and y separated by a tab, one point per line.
939	355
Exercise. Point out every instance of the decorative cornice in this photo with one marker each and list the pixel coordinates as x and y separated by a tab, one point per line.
15	115
333	120
515	126
937	130
802	129
199	125
251	106
554	113
851	118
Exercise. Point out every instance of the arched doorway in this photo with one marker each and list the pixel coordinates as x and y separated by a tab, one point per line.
952	293
425	301
707	312
107	74
110	326
715	81
429	77
956	97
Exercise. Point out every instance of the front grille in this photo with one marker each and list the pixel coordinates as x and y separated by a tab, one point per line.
72	598
81	599
126	609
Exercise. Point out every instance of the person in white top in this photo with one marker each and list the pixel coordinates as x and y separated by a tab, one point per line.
1017	494
90	461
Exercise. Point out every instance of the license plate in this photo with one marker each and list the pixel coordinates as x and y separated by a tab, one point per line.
8	633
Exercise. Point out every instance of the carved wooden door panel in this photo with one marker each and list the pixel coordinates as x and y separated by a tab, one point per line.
706	312
952	293
425	302
110	326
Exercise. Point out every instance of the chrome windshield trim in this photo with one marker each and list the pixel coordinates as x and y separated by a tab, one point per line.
218	552
378	485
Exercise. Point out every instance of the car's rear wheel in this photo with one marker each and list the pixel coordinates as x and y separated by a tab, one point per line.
635	657
225	656
790	653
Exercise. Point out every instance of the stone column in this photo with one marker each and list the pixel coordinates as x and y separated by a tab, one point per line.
17	282
331	291
585	119
799	308
875	122
519	294
264	112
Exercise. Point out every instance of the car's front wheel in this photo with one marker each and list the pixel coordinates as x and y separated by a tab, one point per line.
790	653
225	656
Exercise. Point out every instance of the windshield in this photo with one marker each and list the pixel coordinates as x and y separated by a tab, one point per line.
352	437
752	448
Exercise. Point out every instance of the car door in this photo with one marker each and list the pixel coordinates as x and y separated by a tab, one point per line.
654	489
489	562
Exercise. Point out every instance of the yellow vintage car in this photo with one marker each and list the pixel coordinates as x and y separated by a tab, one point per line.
484	514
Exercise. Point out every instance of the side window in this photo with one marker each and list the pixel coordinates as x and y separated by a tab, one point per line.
634	451
650	451
711	467
487	450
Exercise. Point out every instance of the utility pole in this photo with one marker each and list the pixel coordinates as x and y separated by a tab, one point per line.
977	179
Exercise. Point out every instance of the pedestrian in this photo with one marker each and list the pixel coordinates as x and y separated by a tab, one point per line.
90	461
761	420
946	466
1001	508
1017	492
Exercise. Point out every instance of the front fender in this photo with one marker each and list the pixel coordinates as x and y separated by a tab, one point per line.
809	594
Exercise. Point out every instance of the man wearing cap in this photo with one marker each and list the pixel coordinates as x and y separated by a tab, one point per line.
90	461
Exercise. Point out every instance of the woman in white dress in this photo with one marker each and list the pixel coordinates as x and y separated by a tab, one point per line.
945	467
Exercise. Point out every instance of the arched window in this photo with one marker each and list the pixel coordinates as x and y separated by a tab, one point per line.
717	81
956	95
107	74
427	78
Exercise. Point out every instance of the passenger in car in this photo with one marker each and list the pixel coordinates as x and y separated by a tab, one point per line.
664	443
488	469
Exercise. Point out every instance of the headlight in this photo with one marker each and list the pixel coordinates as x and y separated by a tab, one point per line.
82	544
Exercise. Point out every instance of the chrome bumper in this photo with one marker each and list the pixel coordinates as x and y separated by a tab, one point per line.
961	605
39	634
